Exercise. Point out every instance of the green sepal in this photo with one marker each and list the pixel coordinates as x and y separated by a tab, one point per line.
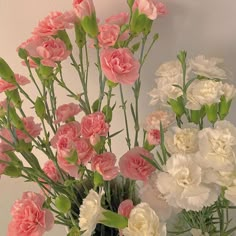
114	220
15	120
95	105
177	106
80	35
107	111
211	112
62	34
224	107
73	158
149	147
97	179
63	204
130	3
195	116
111	84
40	108
74	231
89	24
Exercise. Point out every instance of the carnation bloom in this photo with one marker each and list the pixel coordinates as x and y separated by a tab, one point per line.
183	140
20	80
51	171
154	137
54	22
207	67
66	112
119	19
108	35
29	217
90	212
150	8
94	124
229	91
156	118
149	193
203	92
83	8
230	193
4	144
52	51
217	146
133	166
125	208
71	130
119	65
143	221
169	74
182	184
104	164
31	127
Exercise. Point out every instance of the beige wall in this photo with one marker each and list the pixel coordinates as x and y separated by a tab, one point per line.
198	26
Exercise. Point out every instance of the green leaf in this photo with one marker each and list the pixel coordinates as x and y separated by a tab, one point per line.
6	72
114	220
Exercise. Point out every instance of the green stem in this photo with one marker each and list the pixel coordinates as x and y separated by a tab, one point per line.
125	116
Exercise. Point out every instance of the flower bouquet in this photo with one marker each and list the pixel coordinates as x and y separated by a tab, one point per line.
177	174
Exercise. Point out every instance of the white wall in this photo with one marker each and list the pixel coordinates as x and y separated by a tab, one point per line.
198	26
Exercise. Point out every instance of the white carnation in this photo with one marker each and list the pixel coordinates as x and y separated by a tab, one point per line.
229	91
90	212
143	221
230	194
169	74
182	184
203	92
181	140
207	67
217	147
150	193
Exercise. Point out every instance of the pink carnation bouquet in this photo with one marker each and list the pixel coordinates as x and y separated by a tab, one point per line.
171	178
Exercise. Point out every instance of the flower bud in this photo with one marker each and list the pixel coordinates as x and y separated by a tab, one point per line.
6	72
211	112
80	35
22	53
15	120
14	97
12	171
63	204
40	108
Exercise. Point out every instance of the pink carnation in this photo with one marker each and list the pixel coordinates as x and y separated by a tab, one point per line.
66	111
119	19
70	130
108	35
54	22
84	150
65	145
31	127
5	86
125	208
51	171
161	8
154	137
150	8
3	157
83	8
94	124
133	166
104	164
29	218
119	65
70	168
52	51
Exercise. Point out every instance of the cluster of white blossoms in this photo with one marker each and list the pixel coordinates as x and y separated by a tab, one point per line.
206	89
201	163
